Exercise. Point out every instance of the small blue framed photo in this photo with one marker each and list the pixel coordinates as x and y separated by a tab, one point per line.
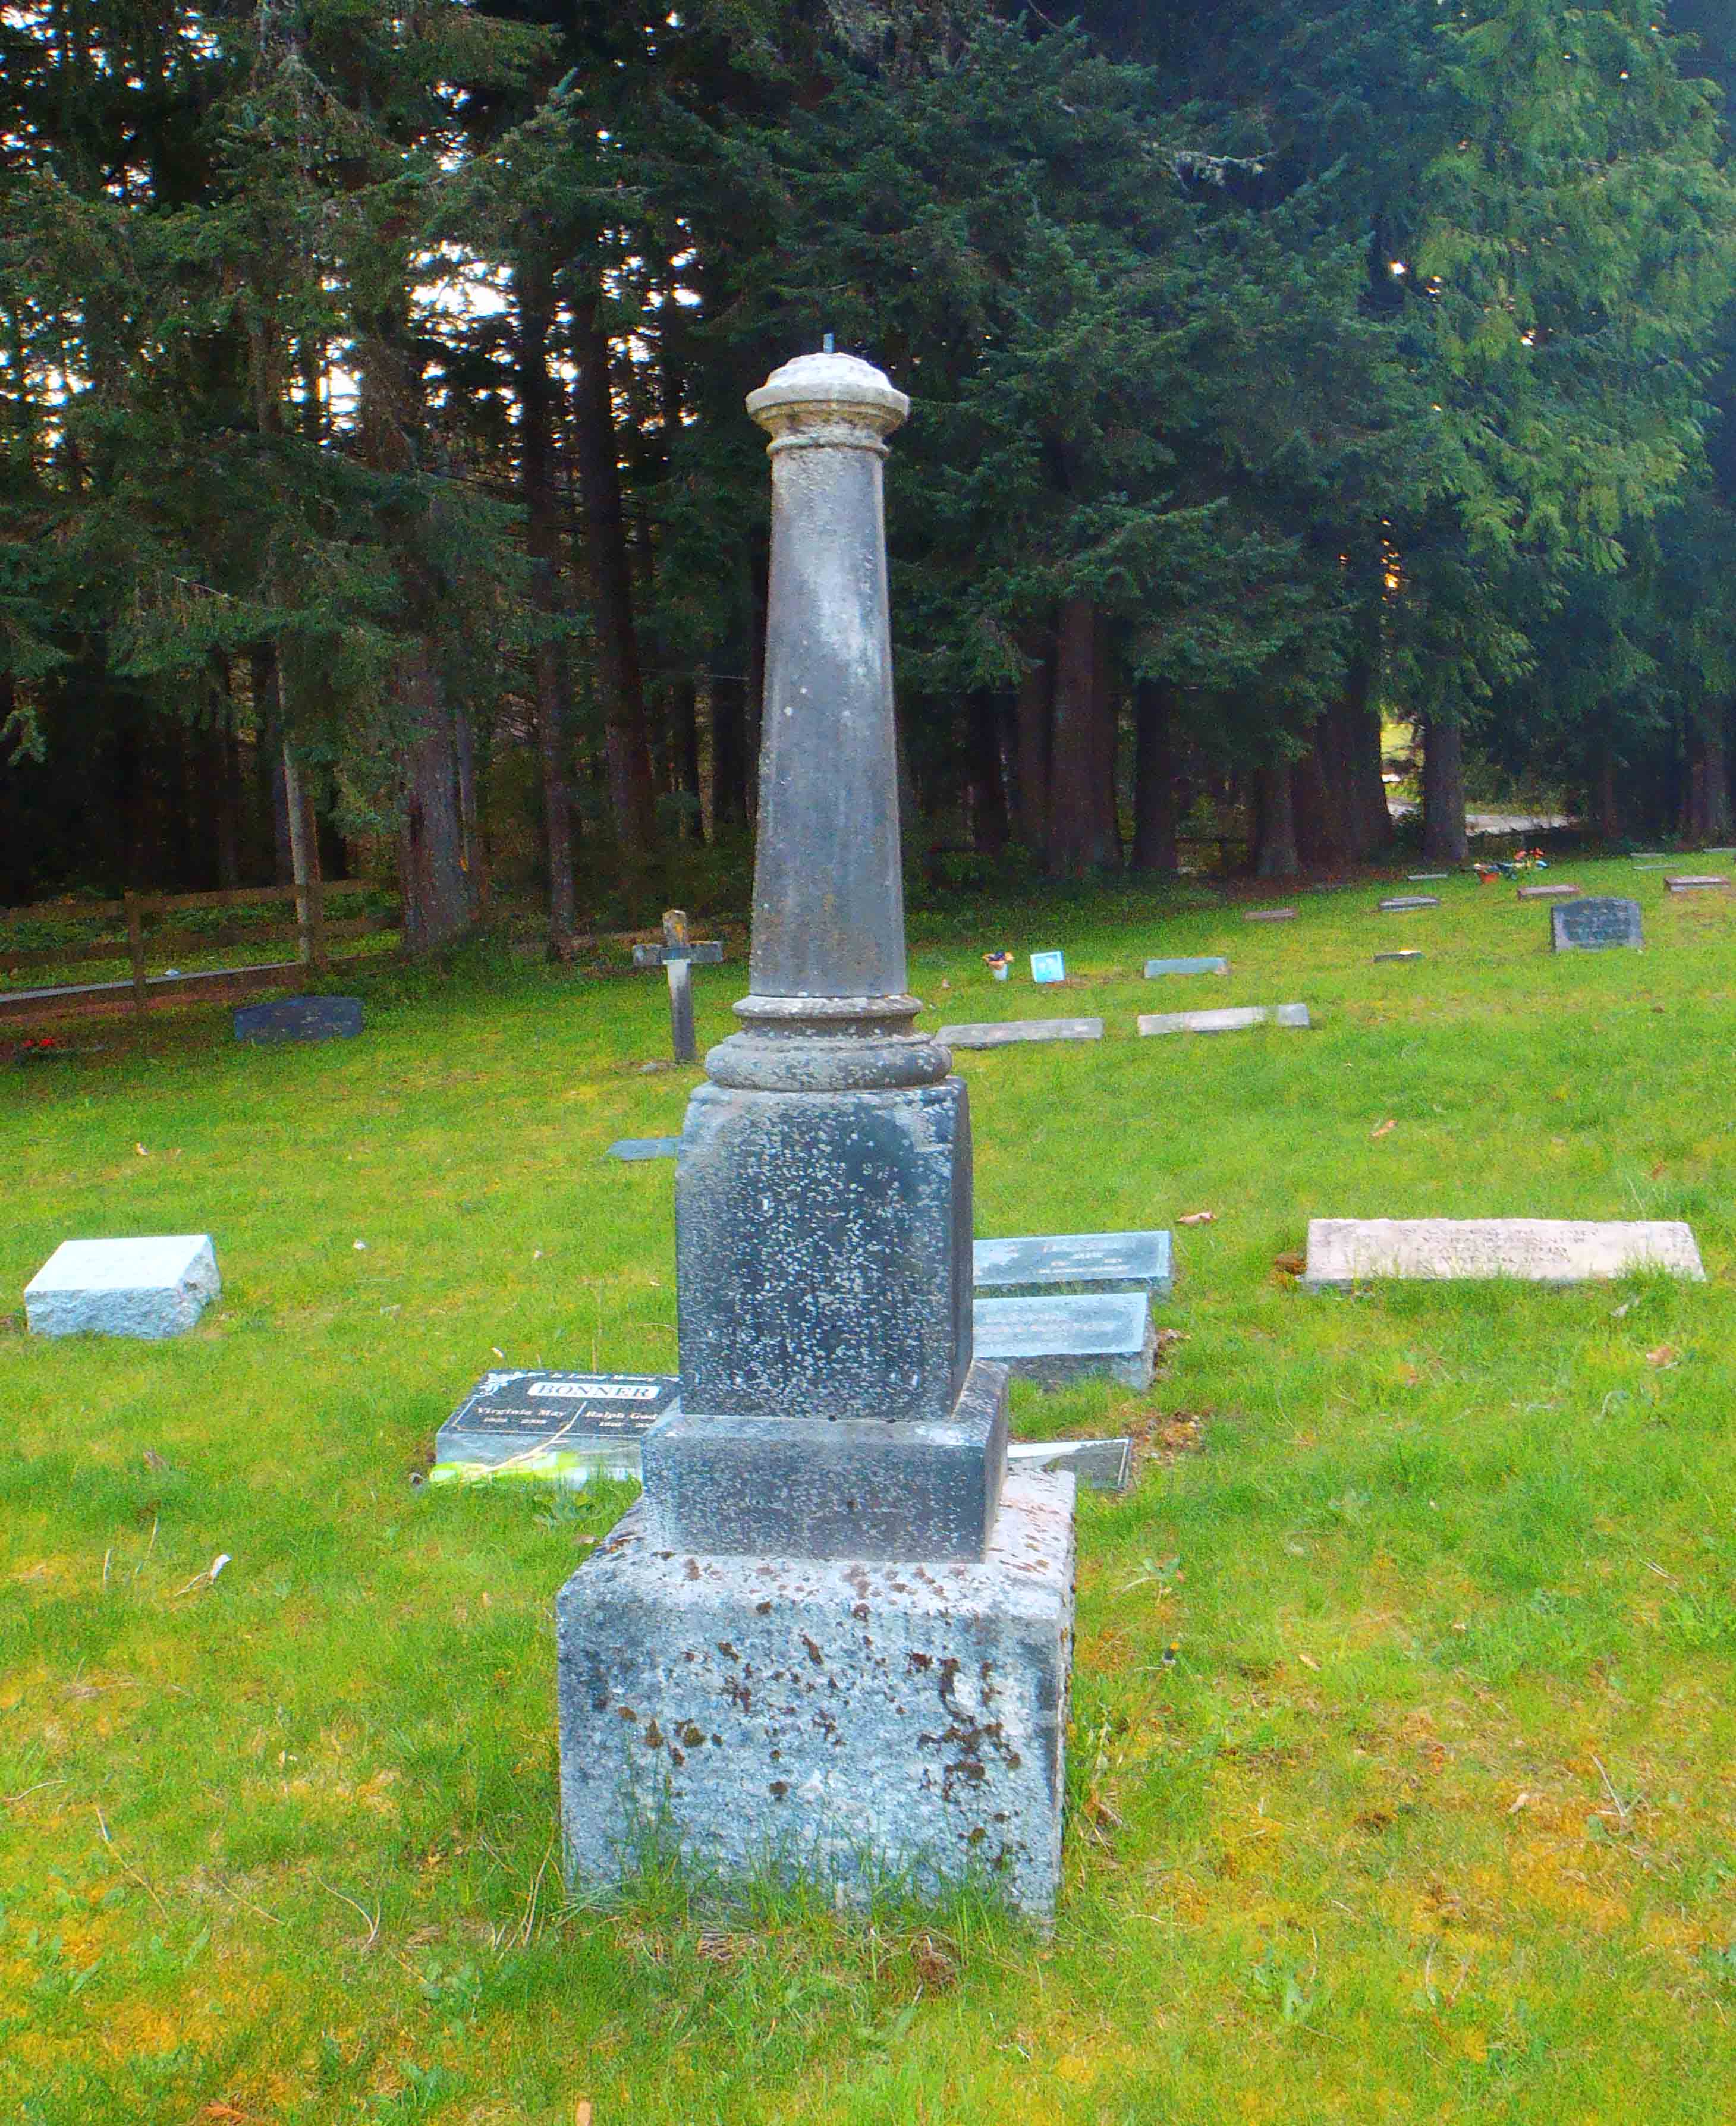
1048	967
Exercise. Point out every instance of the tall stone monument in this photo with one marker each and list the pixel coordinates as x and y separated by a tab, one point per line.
834	1637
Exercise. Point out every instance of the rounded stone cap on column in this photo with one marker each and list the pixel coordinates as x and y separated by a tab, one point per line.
828	398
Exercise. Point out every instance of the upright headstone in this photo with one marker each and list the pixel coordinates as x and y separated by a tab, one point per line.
677	955
1595	922
778	1660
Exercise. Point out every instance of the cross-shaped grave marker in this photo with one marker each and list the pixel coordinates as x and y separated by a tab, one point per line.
676	955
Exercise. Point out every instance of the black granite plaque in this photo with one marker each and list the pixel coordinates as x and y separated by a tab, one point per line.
579	1406
1595	922
300	1019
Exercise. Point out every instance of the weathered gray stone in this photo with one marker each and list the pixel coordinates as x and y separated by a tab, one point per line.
1270	915
1346	1251
1234	1020
1417	877
300	1018
565	1428
1400	902
1097	1465
1412	955
1005	1033
823	1252
1074	1262
832	1487
645	1147
1546	892
150	1288
851	1721
1054	1341
1691	881
1212	964
1594	923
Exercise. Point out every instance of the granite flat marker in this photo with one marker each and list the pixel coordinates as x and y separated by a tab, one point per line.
1211	964
1270	915
1546	892
1346	1251
645	1147
1402	901
1055	1340
1074	1262
1009	1032
1236	1018
1101	1465
300	1018
768	1656
1693	882
152	1287
1595	922
1413	954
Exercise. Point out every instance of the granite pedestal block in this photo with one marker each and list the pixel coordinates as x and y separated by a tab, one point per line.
1055	1340
823	1253
858	1722
300	1018
151	1288
1076	1262
831	1487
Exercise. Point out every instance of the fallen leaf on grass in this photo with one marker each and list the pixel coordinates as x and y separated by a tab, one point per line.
1293	1263
1198	1218
1657	1171
141	1151
1518	1803
1625	1307
1381	1129
1666	1354
1308	1661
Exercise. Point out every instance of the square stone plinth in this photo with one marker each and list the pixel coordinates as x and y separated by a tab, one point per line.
851	1722
832	1487
151	1288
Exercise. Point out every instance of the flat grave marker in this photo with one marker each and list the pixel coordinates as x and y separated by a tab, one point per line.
1413	954
645	1147
1053	1340
151	1288
1074	1262
1100	1465
300	1018
1399	902
1695	882
1418	877
564	1426
1210	963
1235	1019
1596	923
1546	892
1270	915
1342	1252
1009	1032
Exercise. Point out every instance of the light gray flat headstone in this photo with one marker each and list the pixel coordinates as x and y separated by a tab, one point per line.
565	1428
1074	1262
1009	1032
1418	877
1718	852
1056	1340
1235	1019
1595	922
1347	1251
1270	915
1412	955
1694	881
1099	1465
645	1147
1546	892
150	1288
1212	964
1400	901
1654	864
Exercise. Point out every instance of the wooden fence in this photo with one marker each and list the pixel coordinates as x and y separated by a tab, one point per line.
310	931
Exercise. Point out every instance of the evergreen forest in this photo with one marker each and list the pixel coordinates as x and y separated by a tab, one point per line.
375	490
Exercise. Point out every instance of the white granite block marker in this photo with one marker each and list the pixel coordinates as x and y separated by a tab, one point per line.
1234	1020
1212	963
1400	902
1346	1251
150	1288
1057	1339
1007	1033
1074	1262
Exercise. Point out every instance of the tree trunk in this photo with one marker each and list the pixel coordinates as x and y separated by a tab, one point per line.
684	746
729	741
626	743
1605	803
1444	838
1083	832
226	771
553	690
985	789
1275	828
1154	779
1357	722
1314	807
432	880
1036	694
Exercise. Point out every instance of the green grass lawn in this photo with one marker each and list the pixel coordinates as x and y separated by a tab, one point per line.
1404	1758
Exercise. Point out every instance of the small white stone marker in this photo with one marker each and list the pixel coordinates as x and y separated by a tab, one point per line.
1347	1251
1416	877
152	1287
1005	1033
1400	902
1270	915
1694	881
1546	892
1232	1020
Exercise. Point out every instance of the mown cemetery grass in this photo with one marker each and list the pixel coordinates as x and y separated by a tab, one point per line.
1401	1768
